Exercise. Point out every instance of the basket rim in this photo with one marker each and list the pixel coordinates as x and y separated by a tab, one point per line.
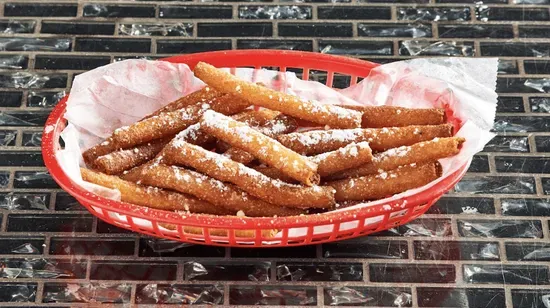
55	119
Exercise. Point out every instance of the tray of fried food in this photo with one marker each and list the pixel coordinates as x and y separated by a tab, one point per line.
232	148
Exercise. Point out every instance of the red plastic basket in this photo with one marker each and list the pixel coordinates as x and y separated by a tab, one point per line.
293	231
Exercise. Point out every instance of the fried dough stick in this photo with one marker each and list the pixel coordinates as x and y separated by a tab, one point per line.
266	149
331	115
373	187
201	96
208	189
163	125
380	139
281	124
221	168
418	153
122	160
350	156
152	197
391	116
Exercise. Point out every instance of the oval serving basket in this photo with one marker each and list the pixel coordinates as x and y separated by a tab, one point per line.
221	231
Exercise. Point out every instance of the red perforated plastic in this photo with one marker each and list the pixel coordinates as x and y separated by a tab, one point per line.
293	231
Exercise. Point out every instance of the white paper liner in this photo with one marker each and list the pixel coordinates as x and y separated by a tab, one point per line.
119	94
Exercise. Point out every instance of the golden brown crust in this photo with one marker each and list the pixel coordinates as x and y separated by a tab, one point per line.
379	139
211	190
391	116
163	125
331	115
373	187
266	149
249	180
350	156
151	197
122	160
199	97
419	153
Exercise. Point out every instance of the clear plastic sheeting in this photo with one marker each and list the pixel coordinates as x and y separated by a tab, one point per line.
320	272
541	84
433	13
500	228
508	144
275	12
507	274
540	104
440	48
17	26
17	293
179	294
163	245
179	29
525	207
32	268
482	12
7	137
42	100
33	139
496	185
23	80
367	49
423	227
273	295
22	201
195	269
87	293
26	248
34	44
405	30
387	297
13	62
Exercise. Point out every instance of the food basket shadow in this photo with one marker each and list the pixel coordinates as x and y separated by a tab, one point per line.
227	230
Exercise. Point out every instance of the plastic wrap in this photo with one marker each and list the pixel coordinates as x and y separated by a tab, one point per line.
273	295
179	294
22	201
540	104
507	274
7	137
440	48
178	29
275	12
18	26
26	248
395	30
13	62
354	296
87	293
32	139
32	268
25	80
161	245
320	272
433	13
38	99
34	44
541	84
500	228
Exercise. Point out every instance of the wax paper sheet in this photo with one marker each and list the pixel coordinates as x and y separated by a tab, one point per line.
121	93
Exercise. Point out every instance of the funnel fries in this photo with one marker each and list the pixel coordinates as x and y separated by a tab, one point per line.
331	115
262	147
379	139
152	197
